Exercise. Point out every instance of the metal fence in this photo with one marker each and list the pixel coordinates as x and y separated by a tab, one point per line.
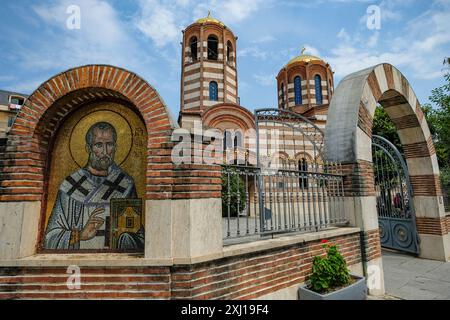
446	193
258	203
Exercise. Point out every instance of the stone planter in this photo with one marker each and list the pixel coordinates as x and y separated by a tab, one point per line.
355	291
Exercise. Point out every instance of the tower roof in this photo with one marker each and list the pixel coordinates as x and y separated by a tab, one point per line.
210	19
304	58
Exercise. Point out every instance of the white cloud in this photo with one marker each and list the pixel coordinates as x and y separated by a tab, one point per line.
158	21
420	47
265	80
163	20
254	52
264	39
102	38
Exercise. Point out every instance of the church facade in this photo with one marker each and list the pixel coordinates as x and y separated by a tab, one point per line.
92	204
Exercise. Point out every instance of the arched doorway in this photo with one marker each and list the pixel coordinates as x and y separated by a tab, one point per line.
348	139
106	101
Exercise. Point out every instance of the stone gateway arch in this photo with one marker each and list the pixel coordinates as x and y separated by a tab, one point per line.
348	139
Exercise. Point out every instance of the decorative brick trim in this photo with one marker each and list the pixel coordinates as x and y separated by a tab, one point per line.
359	179
371	243
419	111
389	76
405	122
96	283
245	276
393	101
426	185
365	120
253	275
374	86
435	226
419	149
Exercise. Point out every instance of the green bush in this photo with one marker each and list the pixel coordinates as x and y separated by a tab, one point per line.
329	273
237	191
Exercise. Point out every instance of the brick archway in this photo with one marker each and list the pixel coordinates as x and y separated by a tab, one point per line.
348	139
28	144
26	153
227	112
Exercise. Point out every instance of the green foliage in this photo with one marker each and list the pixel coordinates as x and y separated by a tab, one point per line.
438	118
329	273
232	182
384	127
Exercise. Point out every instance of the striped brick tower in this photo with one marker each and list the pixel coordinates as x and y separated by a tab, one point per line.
208	56
348	139
306	67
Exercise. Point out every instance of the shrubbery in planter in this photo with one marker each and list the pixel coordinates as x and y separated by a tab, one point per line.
331	279
330	272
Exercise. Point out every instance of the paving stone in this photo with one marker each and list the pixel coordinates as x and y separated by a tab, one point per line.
413	293
411	278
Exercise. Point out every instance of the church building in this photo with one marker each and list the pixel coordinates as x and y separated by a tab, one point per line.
93	205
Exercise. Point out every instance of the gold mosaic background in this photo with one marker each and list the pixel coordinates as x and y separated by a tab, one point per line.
69	152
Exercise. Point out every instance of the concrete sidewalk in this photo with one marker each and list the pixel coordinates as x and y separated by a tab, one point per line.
410	278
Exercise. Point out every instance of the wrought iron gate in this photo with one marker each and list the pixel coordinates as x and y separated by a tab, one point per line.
290	189
396	215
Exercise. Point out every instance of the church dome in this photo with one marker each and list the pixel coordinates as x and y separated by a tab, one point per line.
210	19
304	58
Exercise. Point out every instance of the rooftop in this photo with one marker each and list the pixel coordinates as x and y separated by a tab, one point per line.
4	96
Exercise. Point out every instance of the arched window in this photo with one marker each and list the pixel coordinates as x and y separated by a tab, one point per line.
193	46
213	91
282	96
238	139
213	44
303	168
226	139
318	81
298	90
229	51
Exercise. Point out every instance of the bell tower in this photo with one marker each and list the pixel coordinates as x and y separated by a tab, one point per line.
304	84
208	68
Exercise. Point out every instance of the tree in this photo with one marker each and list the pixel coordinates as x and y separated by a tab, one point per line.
384	127
439	122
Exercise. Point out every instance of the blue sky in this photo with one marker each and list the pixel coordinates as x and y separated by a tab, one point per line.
144	36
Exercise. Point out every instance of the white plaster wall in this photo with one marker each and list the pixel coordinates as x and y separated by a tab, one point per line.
19	223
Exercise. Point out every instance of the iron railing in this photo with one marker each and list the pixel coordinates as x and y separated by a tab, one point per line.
258	203
445	196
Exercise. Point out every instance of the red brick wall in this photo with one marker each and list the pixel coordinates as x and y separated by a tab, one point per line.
95	283
257	274
245	276
358	179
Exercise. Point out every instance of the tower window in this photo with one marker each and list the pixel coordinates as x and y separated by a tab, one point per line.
303	168
298	90
226	140
193	46
213	91
237	139
213	51
229	51
282	96
318	82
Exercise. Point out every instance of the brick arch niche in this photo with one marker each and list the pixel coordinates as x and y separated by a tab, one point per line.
27	151
348	139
